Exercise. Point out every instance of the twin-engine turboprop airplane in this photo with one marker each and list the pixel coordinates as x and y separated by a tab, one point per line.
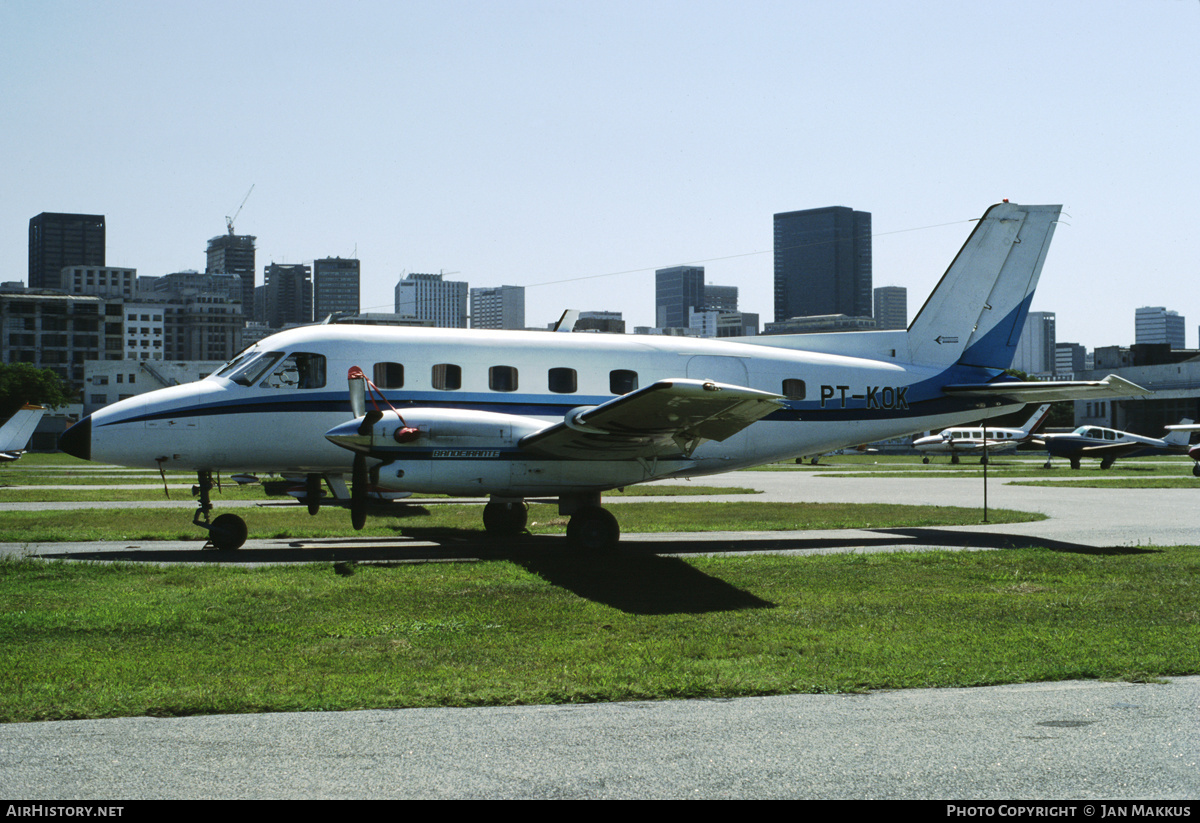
977	439
514	415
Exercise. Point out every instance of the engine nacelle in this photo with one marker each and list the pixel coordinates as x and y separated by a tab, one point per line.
387	437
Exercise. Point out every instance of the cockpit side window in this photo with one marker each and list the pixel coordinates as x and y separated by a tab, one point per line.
299	370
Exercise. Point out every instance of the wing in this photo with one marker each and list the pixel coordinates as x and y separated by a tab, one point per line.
670	417
1111	386
1113	450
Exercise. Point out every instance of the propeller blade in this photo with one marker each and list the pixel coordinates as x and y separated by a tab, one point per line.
358	492
358	392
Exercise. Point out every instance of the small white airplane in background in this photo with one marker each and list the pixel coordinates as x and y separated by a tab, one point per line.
975	439
1109	444
1193	452
15	434
516	415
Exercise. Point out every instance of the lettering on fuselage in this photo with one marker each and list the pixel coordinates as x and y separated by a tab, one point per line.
466	453
875	397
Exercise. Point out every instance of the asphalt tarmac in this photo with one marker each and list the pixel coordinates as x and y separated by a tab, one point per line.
1077	740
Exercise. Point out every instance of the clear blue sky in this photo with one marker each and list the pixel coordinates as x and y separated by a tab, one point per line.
525	143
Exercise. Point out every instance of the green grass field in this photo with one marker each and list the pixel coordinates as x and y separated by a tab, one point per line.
542	624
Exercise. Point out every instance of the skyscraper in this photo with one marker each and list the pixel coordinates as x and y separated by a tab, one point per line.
288	291
822	263
59	240
1154	324
234	254
335	286
429	297
498	307
891	307
1036	348
676	290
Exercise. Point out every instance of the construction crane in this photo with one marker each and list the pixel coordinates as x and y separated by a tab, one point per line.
229	220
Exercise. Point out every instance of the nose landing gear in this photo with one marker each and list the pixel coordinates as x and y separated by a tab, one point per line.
226	532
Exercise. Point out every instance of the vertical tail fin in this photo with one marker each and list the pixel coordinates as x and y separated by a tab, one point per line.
976	313
1039	417
1177	437
15	434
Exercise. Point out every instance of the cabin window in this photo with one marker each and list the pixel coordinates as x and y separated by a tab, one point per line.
447	377
502	378
563	381
299	370
793	389
622	381
389	375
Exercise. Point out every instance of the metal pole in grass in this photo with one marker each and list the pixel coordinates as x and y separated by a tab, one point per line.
985	468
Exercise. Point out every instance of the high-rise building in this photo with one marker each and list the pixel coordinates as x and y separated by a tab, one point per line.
335	286
1069	358
234	254
1154	324
610	322
102	281
822	263
498	307
722	299
1036	350
288	294
891	307
60	240
203	314
676	290
59	331
429	297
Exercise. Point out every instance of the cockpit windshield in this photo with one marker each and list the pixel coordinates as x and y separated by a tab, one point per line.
248	372
272	370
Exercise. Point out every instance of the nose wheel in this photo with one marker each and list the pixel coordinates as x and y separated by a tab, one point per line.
227	532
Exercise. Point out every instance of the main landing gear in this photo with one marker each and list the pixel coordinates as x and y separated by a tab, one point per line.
591	527
226	532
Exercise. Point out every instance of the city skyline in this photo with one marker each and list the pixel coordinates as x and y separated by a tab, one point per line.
550	147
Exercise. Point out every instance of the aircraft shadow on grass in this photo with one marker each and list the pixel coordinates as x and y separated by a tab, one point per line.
641	578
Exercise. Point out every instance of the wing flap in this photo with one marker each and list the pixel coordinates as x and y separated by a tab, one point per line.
670	417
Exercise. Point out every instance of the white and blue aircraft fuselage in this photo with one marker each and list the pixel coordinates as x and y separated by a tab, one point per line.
513	415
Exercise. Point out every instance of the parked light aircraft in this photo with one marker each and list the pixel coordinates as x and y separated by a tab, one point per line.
1194	451
514	415
976	439
1109	444
15	433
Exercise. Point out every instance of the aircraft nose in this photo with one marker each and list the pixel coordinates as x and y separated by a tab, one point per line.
77	440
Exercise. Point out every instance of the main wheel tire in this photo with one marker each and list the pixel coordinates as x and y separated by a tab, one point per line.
227	532
505	519
594	529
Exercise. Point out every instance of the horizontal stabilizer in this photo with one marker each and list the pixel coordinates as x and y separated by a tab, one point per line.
1111	386
670	417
